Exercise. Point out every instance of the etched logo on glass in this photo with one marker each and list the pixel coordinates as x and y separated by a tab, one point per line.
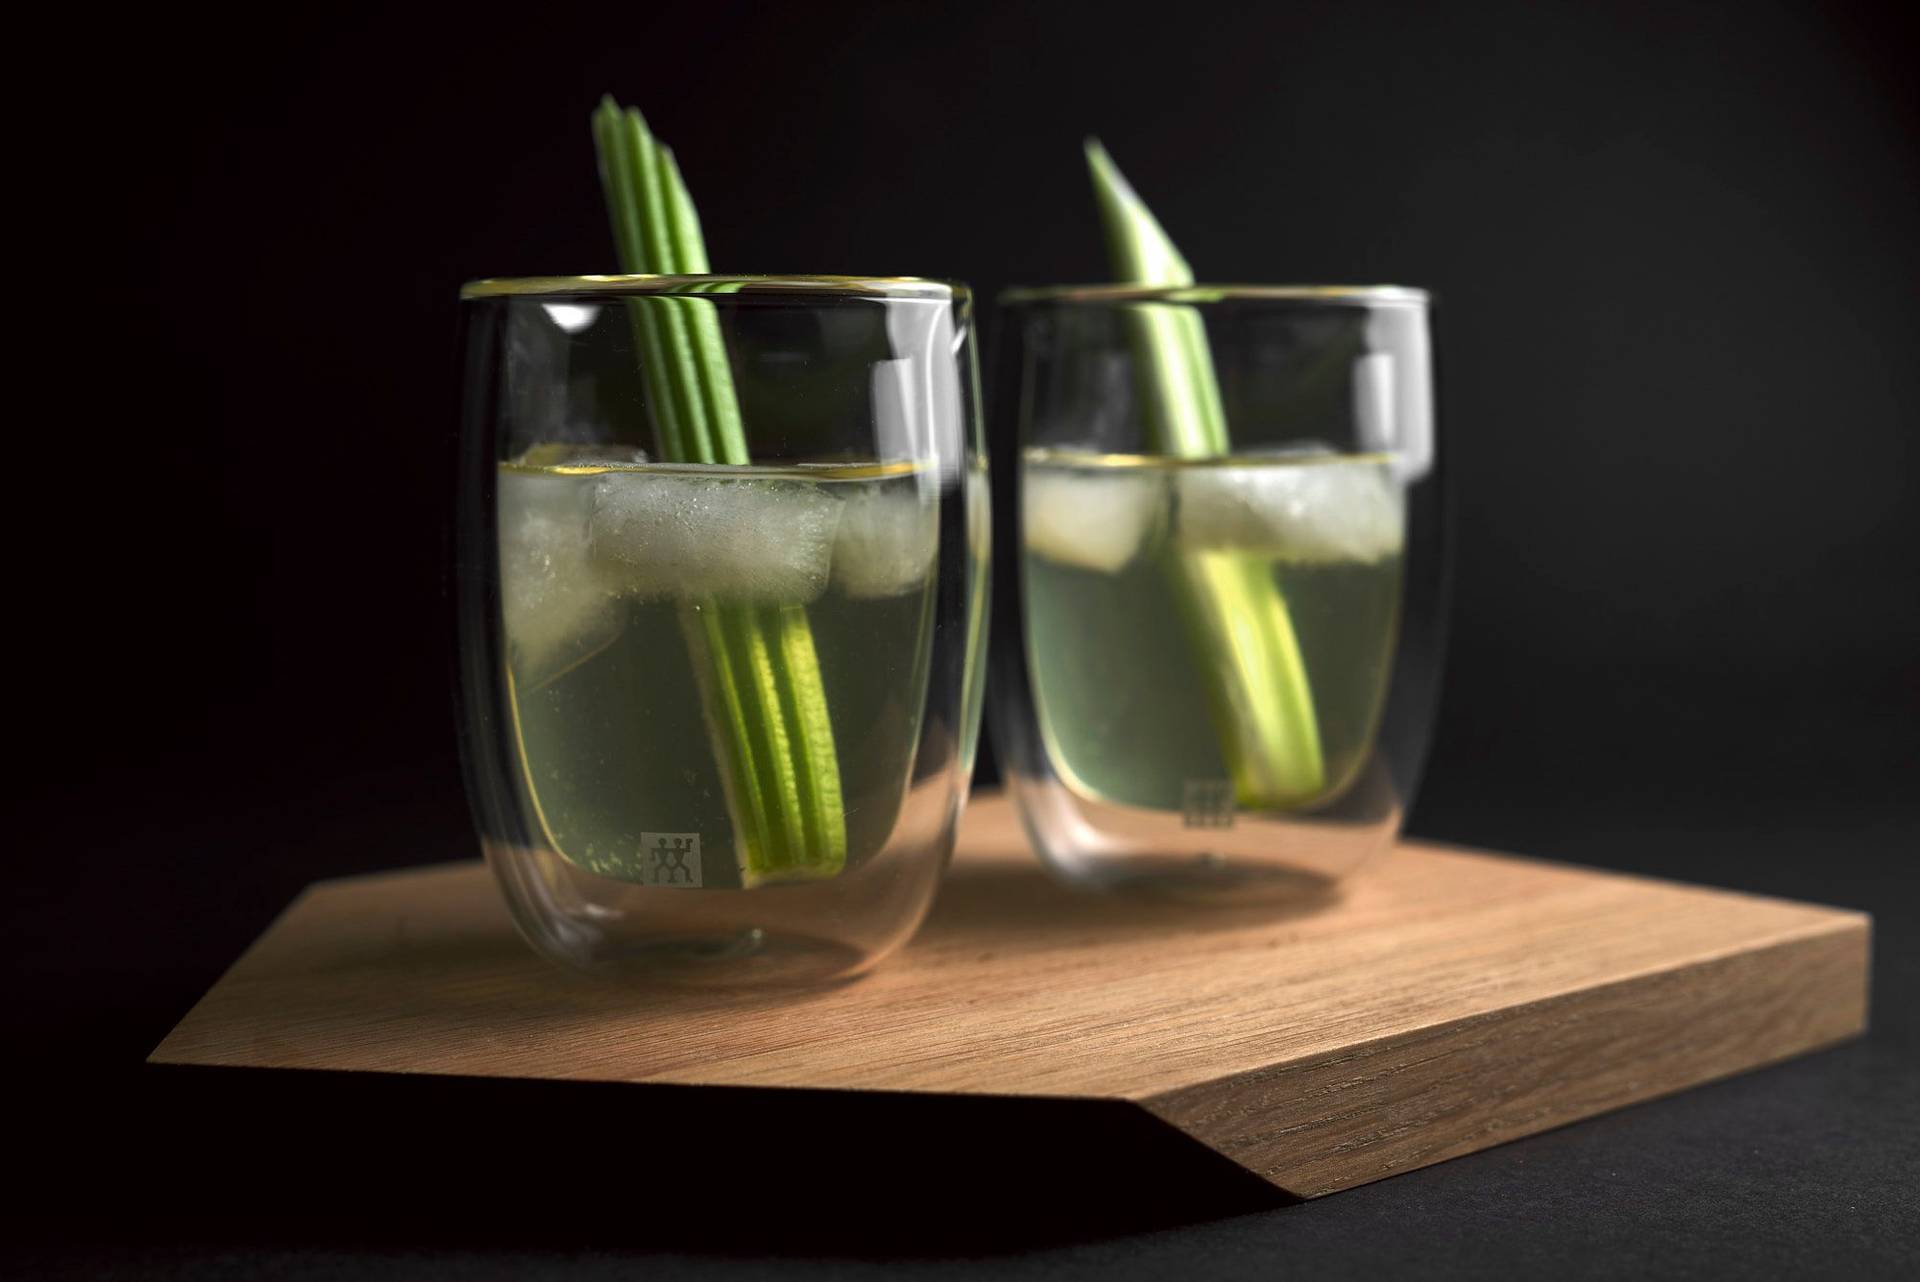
673	858
1207	803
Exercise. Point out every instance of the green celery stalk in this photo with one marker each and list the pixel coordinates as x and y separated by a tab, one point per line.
1257	690
759	674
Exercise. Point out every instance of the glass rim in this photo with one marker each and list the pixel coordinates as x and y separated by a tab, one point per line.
615	285
1337	295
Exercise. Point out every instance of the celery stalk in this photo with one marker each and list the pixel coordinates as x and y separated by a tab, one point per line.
760	679
1257	690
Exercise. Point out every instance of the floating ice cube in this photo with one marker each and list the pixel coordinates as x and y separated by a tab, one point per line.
1095	520
1319	510
668	535
575	454
554	598
887	536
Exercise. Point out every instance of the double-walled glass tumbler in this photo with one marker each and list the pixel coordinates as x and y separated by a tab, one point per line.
1226	565
721	578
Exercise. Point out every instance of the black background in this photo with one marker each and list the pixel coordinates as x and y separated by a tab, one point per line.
1679	300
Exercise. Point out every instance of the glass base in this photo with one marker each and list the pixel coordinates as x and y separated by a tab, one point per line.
1209	878
743	957
798	933
1231	858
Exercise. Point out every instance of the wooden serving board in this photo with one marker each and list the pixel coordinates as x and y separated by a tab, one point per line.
1445	1001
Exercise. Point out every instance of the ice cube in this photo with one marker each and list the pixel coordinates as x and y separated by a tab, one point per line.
1319	510
554	598
888	531
752	539
576	454
1094	520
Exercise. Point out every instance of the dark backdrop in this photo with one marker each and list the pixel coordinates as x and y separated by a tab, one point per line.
1674	251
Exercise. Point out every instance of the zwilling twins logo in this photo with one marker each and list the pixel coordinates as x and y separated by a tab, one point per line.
673	858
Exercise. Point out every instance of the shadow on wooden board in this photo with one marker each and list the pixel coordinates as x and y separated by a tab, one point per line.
368	1158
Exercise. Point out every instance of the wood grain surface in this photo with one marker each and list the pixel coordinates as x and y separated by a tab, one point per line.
1445	1001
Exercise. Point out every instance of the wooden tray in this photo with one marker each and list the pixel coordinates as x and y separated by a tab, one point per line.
1446	1001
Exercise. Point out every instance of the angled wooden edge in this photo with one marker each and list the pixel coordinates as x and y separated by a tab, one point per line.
1330	1122
1451	1001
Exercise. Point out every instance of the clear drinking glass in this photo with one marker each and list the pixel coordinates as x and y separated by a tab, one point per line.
1224	669
718	714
